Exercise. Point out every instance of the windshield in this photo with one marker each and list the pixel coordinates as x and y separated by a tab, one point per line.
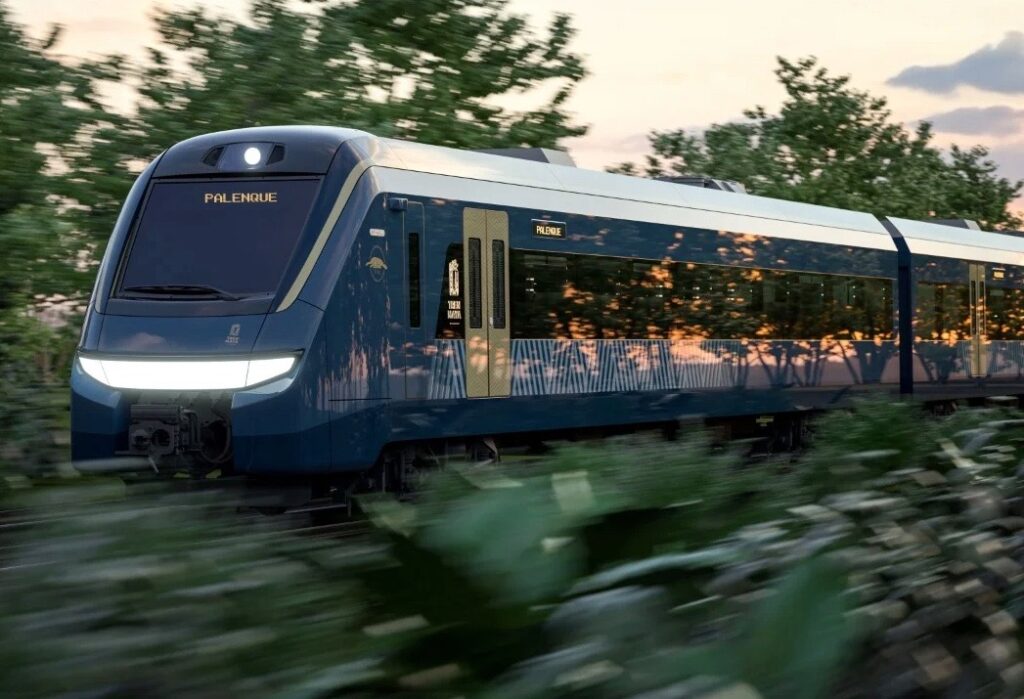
221	240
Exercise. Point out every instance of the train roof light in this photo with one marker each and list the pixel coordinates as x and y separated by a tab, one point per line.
252	156
243	157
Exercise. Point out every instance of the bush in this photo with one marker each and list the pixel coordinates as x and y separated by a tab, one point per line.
624	568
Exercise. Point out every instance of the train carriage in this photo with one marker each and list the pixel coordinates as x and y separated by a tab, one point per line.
964	309
301	300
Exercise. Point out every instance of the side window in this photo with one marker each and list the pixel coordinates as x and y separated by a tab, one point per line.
450	310
1005	313
597	297
943	312
538	285
592	304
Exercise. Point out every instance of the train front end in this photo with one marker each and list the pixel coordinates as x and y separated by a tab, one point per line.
197	352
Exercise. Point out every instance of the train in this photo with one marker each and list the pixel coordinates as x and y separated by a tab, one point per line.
316	303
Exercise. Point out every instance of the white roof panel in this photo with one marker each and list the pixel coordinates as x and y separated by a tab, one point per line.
940	240
499	194
485	177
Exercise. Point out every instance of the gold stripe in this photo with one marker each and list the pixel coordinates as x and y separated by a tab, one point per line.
325	233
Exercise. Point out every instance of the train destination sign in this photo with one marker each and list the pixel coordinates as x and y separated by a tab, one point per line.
548	229
240	198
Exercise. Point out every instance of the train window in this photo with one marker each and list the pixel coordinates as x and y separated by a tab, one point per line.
234	236
1005	313
593	303
414	280
647	308
942	312
583	296
716	302
450	309
475	285
538	282
498	280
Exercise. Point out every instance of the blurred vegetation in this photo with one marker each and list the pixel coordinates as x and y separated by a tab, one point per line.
626	568
45	108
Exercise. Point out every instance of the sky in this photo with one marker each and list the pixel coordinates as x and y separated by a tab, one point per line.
667	64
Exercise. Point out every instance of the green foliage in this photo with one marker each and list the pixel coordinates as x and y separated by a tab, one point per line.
47	109
427	70
973	189
874	436
161	596
793	642
837	146
571	581
444	67
494	582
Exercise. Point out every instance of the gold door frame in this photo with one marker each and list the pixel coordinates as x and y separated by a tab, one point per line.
488	340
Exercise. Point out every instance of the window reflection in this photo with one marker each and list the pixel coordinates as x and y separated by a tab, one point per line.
590	296
1005	313
942	312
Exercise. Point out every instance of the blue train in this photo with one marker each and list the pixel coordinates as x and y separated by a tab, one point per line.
316	301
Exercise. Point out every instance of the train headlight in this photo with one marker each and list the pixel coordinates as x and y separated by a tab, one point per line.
185	374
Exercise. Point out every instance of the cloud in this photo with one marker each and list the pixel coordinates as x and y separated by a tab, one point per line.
999	120
998	68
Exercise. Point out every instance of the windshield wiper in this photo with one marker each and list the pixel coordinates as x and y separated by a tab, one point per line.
195	290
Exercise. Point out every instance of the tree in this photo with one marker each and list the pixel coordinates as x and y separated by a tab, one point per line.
434	71
833	145
46	110
976	192
444	64
45	107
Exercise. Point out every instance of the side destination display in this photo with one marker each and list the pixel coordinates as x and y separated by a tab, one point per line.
548	229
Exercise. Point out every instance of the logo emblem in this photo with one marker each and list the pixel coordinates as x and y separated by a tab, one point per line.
233	334
376	264
453	278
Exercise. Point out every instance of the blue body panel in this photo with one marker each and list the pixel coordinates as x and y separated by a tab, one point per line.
285	425
99	418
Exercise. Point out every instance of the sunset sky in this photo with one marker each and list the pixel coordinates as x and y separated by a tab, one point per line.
662	64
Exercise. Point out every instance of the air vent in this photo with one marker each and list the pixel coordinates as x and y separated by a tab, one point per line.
212	156
956	223
276	155
539	155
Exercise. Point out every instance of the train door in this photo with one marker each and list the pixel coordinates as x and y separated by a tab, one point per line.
488	342
979	346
